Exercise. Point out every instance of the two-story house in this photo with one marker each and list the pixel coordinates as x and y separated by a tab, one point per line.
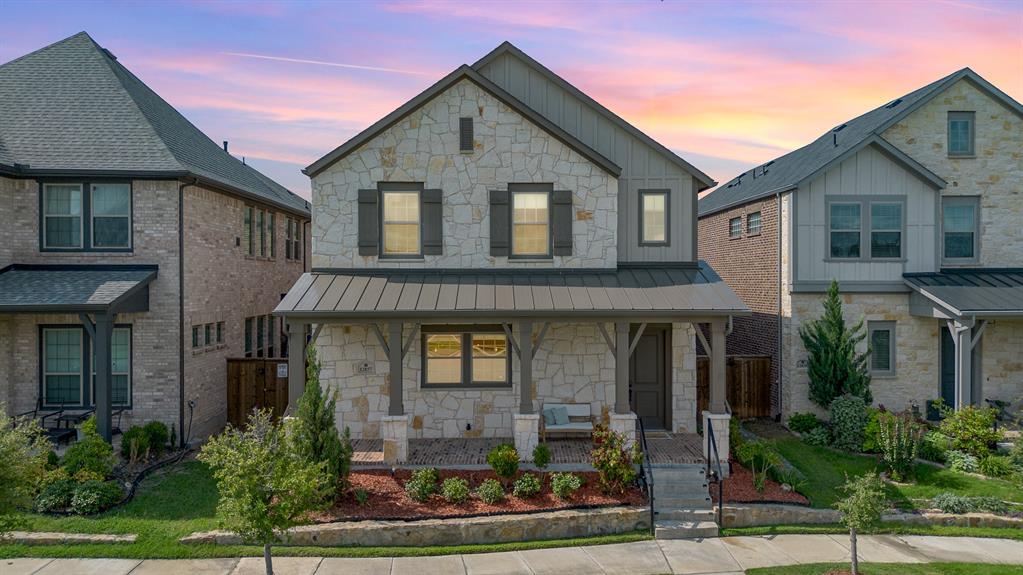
135	253
499	243
914	207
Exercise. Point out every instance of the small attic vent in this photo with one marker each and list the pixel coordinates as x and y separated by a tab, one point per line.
839	128
109	54
893	103
761	171
465	135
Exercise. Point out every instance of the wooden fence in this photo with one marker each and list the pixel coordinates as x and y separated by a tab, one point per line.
748	381
253	383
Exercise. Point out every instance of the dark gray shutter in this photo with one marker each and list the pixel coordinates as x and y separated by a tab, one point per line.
433	226
561	222
500	223
369	222
465	135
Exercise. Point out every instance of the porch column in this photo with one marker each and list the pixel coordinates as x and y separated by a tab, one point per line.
394	352
394	426
717	417
296	363
102	336
717	367
622	368
965	338
525	423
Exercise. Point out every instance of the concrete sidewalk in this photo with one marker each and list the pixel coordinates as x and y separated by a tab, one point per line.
722	556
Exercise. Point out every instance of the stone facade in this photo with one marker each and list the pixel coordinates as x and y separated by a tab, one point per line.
572	365
424	147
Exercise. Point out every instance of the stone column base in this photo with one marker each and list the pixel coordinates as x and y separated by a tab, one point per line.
625	424
526	430
719	421
394	432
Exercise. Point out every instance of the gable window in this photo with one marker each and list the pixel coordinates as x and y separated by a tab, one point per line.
401	223
653	216
465	135
885	230
881	335
111	215
753	224
734	228
472	357
844	230
960	228
961	133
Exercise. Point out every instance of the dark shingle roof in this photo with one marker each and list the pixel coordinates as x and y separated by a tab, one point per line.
786	172
980	292
72	107
69	288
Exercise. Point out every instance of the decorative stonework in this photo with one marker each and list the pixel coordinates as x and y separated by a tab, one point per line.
625	424
526	434
719	422
394	430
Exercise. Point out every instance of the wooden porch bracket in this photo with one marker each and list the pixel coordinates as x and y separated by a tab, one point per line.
540	336
316	333
380	338
511	339
635	341
703	340
607	337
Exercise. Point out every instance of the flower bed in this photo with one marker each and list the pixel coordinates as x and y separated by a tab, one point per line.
739	488
387	499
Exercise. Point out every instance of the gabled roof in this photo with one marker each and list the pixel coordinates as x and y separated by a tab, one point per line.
72	108
509	48
70	288
788	171
463	72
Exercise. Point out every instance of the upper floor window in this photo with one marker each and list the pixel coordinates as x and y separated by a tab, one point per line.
960	228
753	224
531	223
876	223
260	232
653	216
735	228
885	230
961	133
401	223
293	246
844	230
84	216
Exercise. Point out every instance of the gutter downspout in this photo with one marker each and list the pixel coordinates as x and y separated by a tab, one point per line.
781	347
181	312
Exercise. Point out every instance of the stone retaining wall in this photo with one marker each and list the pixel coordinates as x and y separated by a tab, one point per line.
563	524
48	538
768	514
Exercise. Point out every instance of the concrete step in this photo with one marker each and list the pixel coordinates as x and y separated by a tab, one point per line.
684	491
672	529
672	476
686	515
668	503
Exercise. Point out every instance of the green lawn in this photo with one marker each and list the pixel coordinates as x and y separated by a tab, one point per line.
826	470
883	529
183	500
894	569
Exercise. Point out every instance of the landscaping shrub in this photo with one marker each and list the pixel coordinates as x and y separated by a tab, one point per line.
90	452
804	422
989	504
157	435
872	431
1016	454
564	485
422	484
735	438
848	419
23	456
819	436
84	475
961	461
996	466
316	435
760	458
362	496
541	457
504	460
52	476
952	503
934	447
52	460
455	490
526	486
615	463
134	444
835	367
490	491
94	496
899	436
56	496
970	429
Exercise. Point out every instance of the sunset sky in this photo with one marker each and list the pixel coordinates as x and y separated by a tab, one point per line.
725	85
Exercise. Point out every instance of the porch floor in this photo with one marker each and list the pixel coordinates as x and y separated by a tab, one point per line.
566	454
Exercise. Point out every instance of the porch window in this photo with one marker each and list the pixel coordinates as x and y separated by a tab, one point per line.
654	216
489	358
960	228
120	368
531	224
443	359
882	346
62	366
62	216
885	230
469	358
401	223
844	230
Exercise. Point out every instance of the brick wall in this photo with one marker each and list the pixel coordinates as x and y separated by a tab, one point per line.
749	265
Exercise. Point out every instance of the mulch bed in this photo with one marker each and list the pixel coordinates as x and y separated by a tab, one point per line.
387	498
739	488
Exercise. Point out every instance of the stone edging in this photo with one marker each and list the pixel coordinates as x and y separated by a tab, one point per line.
775	514
49	538
564	524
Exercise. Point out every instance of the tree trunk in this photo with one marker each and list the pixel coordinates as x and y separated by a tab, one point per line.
270	564
852	547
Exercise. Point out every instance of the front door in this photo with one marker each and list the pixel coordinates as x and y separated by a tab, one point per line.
648	376
948	368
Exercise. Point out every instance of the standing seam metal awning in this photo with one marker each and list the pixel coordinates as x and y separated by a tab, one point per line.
981	292
74	288
671	293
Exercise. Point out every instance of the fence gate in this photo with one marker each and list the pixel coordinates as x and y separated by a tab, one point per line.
748	384
254	383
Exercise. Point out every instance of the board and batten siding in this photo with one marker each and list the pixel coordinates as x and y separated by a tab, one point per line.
867	173
643	167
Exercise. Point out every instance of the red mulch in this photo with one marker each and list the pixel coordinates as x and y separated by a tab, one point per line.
387	498
739	489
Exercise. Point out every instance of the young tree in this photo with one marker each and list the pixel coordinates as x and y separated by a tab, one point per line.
265	486
862	508
835	367
23	450
315	432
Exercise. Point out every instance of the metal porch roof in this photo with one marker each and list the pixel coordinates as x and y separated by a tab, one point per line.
977	292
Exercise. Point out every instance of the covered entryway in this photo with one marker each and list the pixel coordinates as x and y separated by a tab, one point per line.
650	374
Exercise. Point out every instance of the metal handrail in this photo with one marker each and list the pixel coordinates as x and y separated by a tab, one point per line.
646	471
712	448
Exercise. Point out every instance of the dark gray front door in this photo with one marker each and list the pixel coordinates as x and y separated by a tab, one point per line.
648	377
948	367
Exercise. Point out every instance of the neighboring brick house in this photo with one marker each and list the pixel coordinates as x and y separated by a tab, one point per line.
127	232
915	208
472	249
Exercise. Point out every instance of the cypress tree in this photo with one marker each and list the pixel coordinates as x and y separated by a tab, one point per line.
835	367
316	434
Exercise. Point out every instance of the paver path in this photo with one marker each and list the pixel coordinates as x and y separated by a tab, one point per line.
721	556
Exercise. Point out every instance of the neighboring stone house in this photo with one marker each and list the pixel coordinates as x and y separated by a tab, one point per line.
130	240
915	208
499	243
